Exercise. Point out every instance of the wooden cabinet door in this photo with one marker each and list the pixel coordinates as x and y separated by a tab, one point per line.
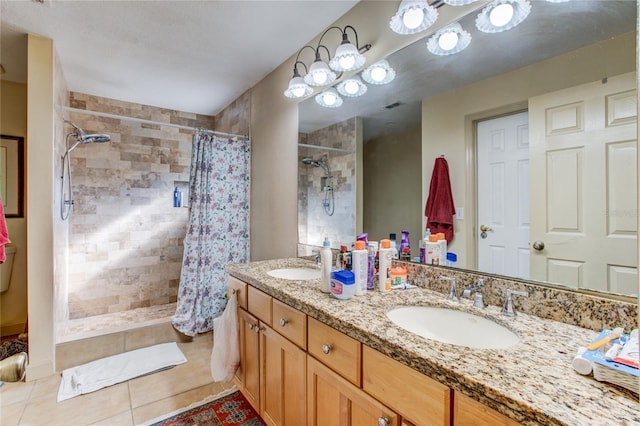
247	377
467	411
332	400
283	380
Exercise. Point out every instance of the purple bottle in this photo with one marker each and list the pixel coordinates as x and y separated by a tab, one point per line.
405	242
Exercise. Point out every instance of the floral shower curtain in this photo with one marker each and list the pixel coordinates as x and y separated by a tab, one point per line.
217	231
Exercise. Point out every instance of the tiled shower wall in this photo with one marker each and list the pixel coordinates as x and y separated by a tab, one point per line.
314	224
125	237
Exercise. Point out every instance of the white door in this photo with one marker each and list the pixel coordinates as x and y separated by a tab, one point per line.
503	195
584	183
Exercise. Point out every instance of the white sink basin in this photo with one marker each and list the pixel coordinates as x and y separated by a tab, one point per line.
295	273
453	327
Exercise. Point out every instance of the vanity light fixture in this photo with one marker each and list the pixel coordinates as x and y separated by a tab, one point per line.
297	87
352	87
502	15
319	72
449	40
413	16
347	56
329	98
379	73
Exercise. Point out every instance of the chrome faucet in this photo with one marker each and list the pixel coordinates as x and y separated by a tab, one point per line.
453	290
316	257
507	308
478	301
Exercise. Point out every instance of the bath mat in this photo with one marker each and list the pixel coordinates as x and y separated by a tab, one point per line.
229	408
119	368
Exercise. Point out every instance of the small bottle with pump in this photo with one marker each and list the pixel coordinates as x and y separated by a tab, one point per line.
423	246
360	267
325	265
384	281
395	254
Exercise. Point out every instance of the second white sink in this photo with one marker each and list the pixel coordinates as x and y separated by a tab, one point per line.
453	327
295	273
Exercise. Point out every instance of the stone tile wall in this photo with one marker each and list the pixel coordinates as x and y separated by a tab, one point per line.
125	236
314	224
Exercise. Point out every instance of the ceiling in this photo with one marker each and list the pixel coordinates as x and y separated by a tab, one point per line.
550	30
192	56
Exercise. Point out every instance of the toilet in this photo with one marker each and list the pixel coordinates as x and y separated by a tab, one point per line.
5	269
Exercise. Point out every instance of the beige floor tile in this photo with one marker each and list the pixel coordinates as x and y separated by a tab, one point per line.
122	419
10	414
81	410
10	393
178	402
47	386
194	373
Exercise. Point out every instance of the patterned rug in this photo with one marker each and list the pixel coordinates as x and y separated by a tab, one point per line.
232	409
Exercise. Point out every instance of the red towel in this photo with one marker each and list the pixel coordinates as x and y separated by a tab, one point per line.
440	208
4	234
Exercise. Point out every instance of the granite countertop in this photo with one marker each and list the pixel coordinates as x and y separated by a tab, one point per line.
531	382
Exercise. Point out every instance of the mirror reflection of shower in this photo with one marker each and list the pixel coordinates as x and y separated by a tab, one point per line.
325	182
79	137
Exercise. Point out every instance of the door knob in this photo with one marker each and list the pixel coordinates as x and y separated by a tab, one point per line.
485	228
538	245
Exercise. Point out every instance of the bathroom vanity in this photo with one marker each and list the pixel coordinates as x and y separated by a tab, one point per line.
309	358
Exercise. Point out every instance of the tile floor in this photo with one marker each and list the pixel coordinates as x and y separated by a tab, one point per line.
130	403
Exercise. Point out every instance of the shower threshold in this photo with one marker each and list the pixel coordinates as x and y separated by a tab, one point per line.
99	325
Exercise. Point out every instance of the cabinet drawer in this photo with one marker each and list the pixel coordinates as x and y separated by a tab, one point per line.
259	304
468	411
416	397
336	350
290	322
239	288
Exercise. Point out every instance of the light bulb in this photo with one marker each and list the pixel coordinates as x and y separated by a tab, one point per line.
413	17
347	62
501	15
320	77
298	92
378	73
448	40
329	98
351	87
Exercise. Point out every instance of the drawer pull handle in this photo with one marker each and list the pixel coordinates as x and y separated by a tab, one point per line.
251	326
283	322
257	328
383	421
326	349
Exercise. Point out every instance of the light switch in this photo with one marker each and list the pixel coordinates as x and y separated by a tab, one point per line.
460	213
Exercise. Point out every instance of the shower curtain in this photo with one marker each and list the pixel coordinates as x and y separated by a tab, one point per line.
217	231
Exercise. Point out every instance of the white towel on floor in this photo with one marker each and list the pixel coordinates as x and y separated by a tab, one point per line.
108	371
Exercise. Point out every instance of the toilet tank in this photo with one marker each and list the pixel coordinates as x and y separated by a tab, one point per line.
5	268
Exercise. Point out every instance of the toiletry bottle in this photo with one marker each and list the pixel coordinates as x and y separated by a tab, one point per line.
405	256
405	243
177	197
325	265
360	261
423	245
433	251
442	241
395	254
452	259
384	281
372	249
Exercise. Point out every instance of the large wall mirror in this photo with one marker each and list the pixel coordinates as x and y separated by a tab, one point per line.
557	95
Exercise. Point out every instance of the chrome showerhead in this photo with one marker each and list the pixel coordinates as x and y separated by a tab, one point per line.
83	138
316	163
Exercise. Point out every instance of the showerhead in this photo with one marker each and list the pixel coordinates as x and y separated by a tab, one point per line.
83	138
316	163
